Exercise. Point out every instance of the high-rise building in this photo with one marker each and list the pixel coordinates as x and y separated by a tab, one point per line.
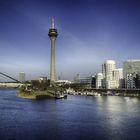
130	81
59	77
130	69
133	81
107	69
53	35
77	78
93	82
118	77
21	76
131	66
99	78
137	81
110	65
103	70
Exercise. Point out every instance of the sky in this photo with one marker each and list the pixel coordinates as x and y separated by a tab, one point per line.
90	32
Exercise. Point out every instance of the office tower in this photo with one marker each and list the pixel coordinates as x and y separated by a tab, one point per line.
103	80
130	81
77	78
110	65
103	70
118	77
107	69
53	35
93	82
99	78
22	77
130	69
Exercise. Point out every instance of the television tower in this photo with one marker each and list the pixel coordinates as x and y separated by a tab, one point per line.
53	35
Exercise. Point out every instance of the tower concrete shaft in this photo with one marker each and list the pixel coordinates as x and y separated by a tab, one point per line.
53	35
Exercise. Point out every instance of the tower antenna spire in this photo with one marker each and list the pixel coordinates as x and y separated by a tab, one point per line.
52	22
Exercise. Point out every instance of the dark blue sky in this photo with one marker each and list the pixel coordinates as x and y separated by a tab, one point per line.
90	31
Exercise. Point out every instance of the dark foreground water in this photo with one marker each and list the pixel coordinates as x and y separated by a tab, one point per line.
74	118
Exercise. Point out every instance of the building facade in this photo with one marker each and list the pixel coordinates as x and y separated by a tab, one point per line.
107	69
131	69
137	81
112	77
77	78
99	78
42	79
130	81
118	77
22	77
93	82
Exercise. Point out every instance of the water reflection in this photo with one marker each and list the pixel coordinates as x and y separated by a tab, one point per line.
119	114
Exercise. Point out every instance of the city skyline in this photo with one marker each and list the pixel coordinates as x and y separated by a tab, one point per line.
90	32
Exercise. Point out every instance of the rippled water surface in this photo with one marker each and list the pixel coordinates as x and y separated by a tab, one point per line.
74	118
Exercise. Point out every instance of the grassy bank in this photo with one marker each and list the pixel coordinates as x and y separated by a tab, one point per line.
26	96
36	94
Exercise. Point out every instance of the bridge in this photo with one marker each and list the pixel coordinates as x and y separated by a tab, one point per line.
1	73
17	83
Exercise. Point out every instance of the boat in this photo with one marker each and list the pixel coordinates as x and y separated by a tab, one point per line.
60	95
97	94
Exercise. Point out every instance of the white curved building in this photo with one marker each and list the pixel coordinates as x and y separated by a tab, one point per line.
110	65
118	77
99	78
107	69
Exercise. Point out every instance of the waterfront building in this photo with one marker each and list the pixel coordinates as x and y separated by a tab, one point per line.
103	70
62	82
112	84
107	69
130	81
99	78
131	69
83	81
131	66
137	81
118	77
104	79
93	82
86	80
110	65
126	77
104	83
59	77
42	79
133	81
53	35
77	78
22	77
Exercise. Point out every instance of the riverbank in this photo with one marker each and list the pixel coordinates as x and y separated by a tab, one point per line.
109	93
33	95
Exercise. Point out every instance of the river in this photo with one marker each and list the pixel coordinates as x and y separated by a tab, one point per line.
74	118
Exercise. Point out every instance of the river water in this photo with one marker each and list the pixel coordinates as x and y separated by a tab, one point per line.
74	118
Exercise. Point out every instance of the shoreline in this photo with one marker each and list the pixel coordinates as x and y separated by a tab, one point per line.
48	94
35	95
